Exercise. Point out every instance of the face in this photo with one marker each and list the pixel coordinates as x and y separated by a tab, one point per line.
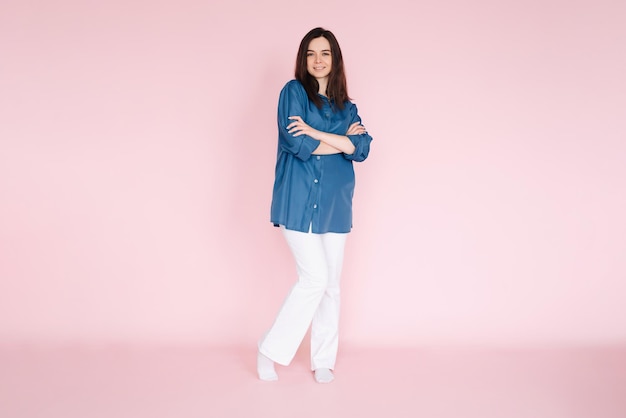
319	60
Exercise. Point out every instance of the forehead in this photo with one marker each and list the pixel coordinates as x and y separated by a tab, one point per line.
319	44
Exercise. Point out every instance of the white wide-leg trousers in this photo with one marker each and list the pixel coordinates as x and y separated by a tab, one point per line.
313	301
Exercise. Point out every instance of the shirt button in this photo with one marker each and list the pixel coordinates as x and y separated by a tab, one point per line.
314	206
318	157
315	181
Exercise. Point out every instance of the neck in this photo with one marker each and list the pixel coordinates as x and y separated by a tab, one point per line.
323	83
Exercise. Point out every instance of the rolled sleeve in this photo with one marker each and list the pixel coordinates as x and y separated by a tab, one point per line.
361	142
292	102
362	147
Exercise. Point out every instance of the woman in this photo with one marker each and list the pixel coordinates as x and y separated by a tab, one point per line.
320	135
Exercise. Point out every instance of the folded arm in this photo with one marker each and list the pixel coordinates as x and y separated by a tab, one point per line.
330	143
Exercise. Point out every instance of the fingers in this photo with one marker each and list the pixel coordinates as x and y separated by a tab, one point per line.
352	128
296	131
297	120
356	129
297	127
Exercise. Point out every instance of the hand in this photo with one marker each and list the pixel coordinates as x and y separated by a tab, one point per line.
299	127
356	129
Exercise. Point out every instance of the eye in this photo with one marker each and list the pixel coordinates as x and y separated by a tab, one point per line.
309	54
326	54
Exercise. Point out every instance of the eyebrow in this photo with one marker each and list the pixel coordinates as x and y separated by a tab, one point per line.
323	50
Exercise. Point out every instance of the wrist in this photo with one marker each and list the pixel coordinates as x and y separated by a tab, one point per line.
319	135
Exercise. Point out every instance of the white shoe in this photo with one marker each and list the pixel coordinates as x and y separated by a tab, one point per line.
324	375
265	368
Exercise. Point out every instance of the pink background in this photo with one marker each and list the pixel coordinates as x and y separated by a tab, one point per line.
137	148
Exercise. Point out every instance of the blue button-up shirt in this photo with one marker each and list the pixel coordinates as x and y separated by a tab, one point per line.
314	191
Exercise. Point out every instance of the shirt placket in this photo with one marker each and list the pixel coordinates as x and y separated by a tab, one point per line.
314	203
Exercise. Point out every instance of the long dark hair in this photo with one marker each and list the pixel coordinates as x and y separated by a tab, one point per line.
337	89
